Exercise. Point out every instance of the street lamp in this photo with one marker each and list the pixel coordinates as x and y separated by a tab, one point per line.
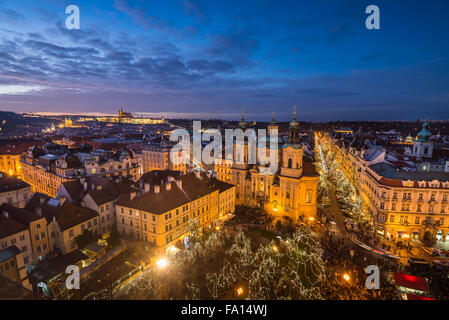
275	248
346	277
239	291
162	263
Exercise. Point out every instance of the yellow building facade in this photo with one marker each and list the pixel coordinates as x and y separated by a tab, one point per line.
404	204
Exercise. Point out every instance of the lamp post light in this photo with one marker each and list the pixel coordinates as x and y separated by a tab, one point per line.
239	291
162	264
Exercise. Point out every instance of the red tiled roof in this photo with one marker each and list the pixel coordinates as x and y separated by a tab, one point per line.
391	182
10	183
411	282
8	226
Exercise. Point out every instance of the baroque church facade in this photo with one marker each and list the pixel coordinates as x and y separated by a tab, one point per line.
291	191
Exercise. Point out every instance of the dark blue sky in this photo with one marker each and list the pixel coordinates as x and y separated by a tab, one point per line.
212	58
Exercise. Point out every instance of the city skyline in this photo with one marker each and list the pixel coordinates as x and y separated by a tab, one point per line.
193	59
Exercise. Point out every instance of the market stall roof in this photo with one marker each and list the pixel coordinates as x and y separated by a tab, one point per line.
415	297
412	282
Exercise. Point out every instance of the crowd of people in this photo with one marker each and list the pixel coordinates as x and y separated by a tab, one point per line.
341	259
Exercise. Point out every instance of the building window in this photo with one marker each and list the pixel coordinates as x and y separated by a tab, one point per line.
391	218
417	220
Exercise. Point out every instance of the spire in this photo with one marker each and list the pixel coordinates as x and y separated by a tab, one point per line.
242	123
294	113
273	118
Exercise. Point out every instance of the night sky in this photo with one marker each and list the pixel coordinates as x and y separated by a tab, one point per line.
210	59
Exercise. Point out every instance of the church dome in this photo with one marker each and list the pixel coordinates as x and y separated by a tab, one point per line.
294	123
424	134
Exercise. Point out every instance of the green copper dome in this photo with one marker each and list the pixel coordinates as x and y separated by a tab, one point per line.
424	134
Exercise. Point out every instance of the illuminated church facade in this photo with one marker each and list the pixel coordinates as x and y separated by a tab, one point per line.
291	191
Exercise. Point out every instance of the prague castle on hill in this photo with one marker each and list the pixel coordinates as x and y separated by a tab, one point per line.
127	117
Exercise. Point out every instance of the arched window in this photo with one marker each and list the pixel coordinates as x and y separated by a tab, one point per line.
289	163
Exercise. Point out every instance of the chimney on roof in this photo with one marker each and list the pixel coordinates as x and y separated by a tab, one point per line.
42	201
132	195
147	187
62	200
99	188
198	174
6	214
83	204
93	187
85	185
39	211
179	183
168	185
141	184
83	180
157	188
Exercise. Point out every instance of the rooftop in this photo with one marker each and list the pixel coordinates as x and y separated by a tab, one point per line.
390	172
8	253
10	183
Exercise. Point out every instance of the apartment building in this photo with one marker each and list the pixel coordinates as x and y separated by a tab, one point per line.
65	221
46	168
13	233
36	225
10	153
223	169
156	156
99	194
13	267
171	206
13	190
